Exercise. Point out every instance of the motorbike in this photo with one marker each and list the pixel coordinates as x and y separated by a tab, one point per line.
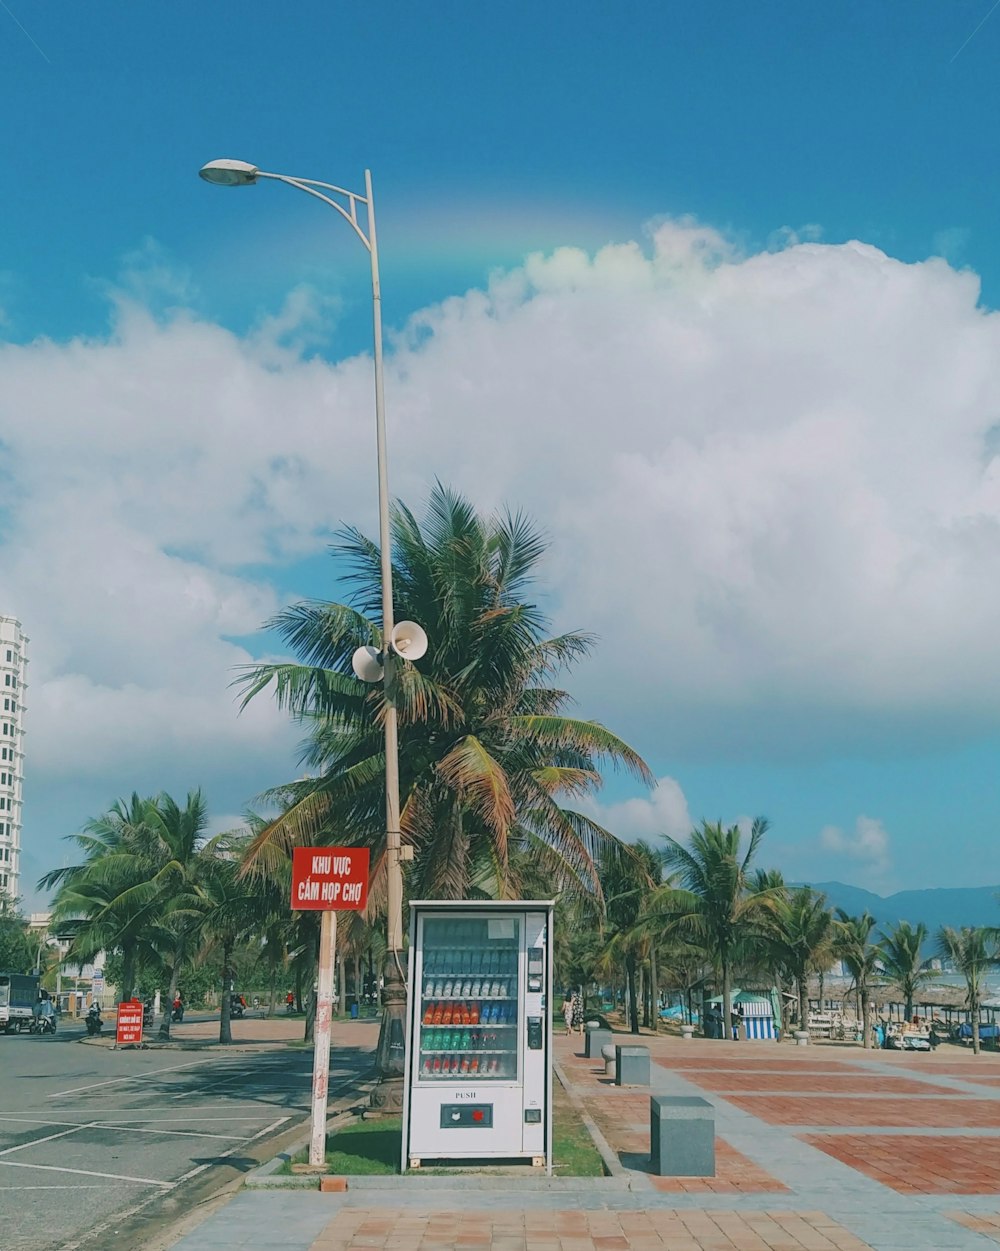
93	1022
147	1015
43	1025
177	1013
236	1008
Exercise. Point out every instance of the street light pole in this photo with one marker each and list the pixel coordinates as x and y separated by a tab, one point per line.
388	1094
395	881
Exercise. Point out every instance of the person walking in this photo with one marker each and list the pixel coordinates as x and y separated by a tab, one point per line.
568	1011
576	1015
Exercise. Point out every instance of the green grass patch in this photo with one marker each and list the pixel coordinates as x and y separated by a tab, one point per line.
573	1150
369	1148
361	1149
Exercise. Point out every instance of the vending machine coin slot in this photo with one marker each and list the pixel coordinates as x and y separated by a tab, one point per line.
534	1033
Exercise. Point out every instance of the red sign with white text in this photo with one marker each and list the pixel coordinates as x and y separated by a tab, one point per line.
128	1028
329	879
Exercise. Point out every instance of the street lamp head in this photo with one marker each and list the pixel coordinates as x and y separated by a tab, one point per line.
229	173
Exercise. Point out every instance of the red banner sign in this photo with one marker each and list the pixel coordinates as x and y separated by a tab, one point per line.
128	1028
329	879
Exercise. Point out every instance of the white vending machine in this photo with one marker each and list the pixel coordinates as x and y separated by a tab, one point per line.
479	1032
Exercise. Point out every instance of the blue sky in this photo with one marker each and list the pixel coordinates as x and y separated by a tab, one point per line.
787	407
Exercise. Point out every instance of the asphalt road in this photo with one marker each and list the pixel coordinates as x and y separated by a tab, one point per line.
89	1136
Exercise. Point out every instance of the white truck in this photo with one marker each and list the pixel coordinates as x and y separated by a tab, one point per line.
18	996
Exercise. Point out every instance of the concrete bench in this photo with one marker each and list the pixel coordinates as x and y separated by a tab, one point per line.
631	1066
681	1136
593	1040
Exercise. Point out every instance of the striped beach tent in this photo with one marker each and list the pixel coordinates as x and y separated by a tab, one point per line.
758	1014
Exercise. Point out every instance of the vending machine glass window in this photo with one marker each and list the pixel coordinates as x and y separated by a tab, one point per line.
470	997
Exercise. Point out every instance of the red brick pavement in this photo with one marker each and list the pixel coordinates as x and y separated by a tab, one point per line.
746	1074
917	1165
625	1124
398	1230
814	1083
982	1222
956	1113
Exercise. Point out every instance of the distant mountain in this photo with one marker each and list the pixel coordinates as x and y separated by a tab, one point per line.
957	906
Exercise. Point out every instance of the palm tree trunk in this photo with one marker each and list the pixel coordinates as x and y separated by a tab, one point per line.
175	977
310	1028
654	990
727	1001
128	971
633	1007
342	983
803	988
225	1026
644	995
866	1032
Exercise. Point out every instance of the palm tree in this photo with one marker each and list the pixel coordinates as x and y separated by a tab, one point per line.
628	878
973	952
803	940
902	959
113	899
488	754
852	943
180	833
714	908
231	906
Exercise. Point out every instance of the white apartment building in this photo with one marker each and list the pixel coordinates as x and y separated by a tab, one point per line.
13	672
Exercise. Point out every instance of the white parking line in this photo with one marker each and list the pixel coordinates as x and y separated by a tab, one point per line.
232	1151
173	1133
208	1115
303	1083
133	1077
83	1172
37	1120
37	1142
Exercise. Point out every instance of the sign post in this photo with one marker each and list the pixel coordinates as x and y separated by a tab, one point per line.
128	1027
326	879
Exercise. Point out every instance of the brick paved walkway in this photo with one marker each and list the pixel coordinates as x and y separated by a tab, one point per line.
569	1230
818	1149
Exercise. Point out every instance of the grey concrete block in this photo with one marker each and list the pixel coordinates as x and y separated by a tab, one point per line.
632	1067
594	1040
681	1136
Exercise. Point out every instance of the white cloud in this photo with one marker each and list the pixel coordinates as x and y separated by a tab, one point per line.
771	484
663	811
868	844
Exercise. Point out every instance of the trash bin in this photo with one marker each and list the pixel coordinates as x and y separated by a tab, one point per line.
354	1009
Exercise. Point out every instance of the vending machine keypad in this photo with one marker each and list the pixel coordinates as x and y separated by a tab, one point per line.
469	1001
